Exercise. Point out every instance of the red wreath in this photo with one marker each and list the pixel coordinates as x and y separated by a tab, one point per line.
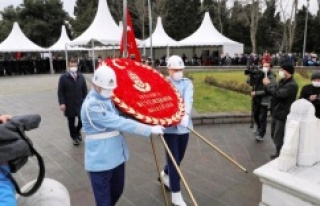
145	94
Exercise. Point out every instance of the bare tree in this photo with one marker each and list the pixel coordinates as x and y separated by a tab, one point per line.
222	12
252	15
292	24
289	23
158	9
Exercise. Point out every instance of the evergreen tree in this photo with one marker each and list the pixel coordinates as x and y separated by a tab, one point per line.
84	12
299	36
41	21
269	34
238	29
183	18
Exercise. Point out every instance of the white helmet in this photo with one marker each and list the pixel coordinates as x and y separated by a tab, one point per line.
105	77
175	62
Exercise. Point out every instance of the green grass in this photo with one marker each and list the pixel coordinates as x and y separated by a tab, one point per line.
213	99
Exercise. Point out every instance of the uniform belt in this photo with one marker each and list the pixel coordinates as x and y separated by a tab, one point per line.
103	135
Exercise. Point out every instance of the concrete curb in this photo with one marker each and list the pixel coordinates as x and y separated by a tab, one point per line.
223	118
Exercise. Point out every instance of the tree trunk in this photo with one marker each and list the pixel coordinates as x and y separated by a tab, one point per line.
254	19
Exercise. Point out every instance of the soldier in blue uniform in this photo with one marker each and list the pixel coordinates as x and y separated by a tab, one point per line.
106	149
177	136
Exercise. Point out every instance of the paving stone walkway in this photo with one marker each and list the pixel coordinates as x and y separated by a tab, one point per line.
213	180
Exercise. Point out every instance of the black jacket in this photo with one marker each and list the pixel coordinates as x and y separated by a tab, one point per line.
261	96
72	93
283	95
12	146
309	90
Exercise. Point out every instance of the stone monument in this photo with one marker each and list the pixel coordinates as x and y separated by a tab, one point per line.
293	179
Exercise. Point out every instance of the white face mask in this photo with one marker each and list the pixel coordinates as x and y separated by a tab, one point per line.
265	69
177	75
106	93
316	84
73	69
282	75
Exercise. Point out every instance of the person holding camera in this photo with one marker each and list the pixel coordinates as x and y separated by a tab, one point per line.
262	100
311	92
283	95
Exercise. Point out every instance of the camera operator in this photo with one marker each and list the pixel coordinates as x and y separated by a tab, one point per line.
261	100
283	95
311	92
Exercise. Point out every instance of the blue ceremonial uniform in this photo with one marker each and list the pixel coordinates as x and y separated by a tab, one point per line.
177	136
106	149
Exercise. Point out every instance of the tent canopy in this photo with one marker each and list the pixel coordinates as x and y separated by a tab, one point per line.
18	42
63	40
207	35
159	37
102	31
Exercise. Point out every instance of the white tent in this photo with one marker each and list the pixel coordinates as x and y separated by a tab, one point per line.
102	31
159	37
63	40
208	35
18	42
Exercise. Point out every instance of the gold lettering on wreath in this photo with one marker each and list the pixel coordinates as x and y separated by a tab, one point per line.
138	84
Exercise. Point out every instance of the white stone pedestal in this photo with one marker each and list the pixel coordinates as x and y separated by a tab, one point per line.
298	187
293	179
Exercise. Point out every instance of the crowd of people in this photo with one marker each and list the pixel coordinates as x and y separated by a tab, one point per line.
216	59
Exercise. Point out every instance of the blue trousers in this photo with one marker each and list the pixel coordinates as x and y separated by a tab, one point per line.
7	190
108	185
177	144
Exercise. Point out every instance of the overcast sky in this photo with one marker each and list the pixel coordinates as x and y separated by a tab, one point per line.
69	5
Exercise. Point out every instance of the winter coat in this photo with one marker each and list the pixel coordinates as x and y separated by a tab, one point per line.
72	93
283	95
12	146
262	97
309	90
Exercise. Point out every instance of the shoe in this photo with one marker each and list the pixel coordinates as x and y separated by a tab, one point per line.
256	133
76	142
79	137
259	138
177	200
165	180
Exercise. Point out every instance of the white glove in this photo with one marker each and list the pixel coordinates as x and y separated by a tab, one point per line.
185	121
157	129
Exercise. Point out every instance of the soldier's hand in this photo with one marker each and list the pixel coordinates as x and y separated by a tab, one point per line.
157	129
312	97
266	81
63	107
253	93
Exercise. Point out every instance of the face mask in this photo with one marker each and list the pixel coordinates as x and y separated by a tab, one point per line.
106	93
177	75
281	74
316	84
73	69
265	69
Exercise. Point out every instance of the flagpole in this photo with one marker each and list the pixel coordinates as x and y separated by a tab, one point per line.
125	38
150	30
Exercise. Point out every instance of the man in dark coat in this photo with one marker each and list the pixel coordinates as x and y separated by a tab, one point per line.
311	92
283	95
72	90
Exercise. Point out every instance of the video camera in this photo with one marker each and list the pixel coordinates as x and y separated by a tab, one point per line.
254	72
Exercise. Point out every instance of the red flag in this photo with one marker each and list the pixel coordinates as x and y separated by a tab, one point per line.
131	41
